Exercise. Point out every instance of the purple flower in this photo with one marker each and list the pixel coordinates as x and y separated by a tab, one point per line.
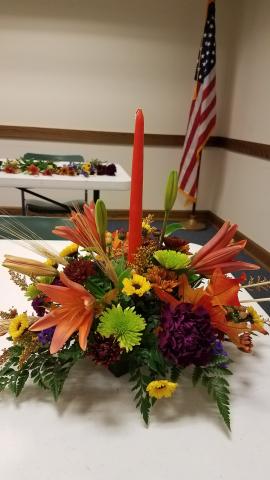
186	336
38	306
218	350
111	169
46	335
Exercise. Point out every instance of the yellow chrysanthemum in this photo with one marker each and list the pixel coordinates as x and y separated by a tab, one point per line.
18	325
137	285
69	250
257	319
161	388
86	167
146	226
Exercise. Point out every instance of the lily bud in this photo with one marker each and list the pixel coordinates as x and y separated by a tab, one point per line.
28	266
171	190
101	220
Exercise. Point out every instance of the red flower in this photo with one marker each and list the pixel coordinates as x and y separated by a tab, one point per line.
33	169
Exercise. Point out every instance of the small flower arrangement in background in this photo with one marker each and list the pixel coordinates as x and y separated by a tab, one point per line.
151	317
48	168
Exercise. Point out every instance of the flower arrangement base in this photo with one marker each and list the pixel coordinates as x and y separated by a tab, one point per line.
120	368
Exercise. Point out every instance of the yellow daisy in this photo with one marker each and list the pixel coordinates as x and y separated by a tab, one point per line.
69	250
257	319
18	325
137	285
161	388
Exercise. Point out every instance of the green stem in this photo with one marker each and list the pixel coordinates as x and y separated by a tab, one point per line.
165	221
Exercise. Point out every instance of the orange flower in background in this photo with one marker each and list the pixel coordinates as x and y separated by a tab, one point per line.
85	231
76	313
220	252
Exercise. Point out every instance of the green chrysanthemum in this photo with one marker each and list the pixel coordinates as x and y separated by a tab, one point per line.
125	325
32	291
172	260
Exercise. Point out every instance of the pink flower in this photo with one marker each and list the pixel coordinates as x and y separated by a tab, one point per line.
220	252
84	231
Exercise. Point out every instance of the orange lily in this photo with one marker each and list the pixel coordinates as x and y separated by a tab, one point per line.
85	231
76	313
220	252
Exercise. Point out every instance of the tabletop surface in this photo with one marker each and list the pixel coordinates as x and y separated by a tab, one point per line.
94	431
120	181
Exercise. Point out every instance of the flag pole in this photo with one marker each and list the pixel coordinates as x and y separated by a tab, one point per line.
192	223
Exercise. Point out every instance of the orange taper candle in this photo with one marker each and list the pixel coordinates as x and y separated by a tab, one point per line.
136	191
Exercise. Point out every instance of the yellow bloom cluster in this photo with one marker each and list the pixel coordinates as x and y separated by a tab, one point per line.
18	325
161	388
86	167
257	319
69	250
137	285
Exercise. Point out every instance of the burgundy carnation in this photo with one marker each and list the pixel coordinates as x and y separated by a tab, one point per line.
111	169
186	336
104	351
175	243
79	270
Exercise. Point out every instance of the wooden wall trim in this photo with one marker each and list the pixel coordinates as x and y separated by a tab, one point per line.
86	136
252	149
260	150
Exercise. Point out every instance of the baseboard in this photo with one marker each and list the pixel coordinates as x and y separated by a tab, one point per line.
261	255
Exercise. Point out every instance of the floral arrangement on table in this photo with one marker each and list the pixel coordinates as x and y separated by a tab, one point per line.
150	307
48	168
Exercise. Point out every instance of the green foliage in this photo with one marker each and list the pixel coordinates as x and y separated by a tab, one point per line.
46	370
175	373
98	285
144	402
212	377
121	270
171	228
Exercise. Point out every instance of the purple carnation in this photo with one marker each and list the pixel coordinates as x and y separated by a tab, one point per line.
186	336
38	306
46	335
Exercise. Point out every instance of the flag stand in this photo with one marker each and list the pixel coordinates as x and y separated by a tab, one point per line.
192	223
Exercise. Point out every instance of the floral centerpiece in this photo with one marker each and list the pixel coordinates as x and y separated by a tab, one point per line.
48	168
149	313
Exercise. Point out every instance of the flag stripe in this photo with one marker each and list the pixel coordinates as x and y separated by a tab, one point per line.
200	140
202	115
195	120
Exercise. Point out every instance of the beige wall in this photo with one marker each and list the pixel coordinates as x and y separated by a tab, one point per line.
242	192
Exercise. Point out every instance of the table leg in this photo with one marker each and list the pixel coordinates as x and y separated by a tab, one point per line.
86	196
96	195
23	203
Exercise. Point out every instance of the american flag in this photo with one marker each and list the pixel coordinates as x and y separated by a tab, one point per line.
202	115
